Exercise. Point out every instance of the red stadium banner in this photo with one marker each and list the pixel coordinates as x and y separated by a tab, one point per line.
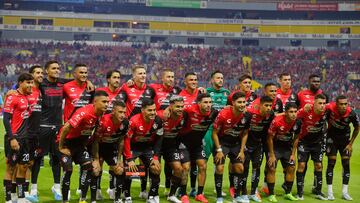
283	6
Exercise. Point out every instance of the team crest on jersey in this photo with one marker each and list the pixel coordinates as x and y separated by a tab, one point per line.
243	120
147	91
155	126
182	122
228	120
295	127
64	159
251	98
276	106
212	93
121	127
292	96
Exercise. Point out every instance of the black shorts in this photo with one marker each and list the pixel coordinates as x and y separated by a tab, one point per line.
171	155
79	155
192	153
254	153
22	156
145	155
47	140
109	153
306	150
334	145
231	151
283	154
34	148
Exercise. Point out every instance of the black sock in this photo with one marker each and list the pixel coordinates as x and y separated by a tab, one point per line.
119	182
318	179
20	186
218	184
85	182
200	190
98	180
271	188
330	171
93	187
35	170
288	185
155	183
80	175
127	186
193	175
65	184
346	172
300	183
144	180
182	190
255	180
56	168
111	179
231	179
168	175
13	187
175	183
26	186
237	183
8	187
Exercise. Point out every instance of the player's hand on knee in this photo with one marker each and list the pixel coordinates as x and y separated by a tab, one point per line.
219	157
241	156
155	166
271	161
348	150
118	169
65	151
96	167
132	166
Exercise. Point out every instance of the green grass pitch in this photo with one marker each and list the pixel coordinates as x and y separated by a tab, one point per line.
45	181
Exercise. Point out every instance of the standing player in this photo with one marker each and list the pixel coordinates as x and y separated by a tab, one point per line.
311	142
282	142
307	96
340	115
191	91
285	93
72	142
245	87
261	117
198	119
170	145
230	135
143	141
108	146
16	114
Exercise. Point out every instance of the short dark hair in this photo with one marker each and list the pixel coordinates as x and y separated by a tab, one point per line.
313	76
202	96
47	64
32	68
110	72
146	102
190	73
320	96
118	103
79	65
25	76
244	77
100	93
215	72
284	74
340	97
176	98
238	95
290	105
135	67
265	99
269	84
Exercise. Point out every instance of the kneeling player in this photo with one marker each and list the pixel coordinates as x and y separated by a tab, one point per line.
108	146
72	142
230	135
282	141
143	141
340	117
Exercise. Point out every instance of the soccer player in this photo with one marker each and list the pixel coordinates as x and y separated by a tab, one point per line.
16	114
285	93
198	119
311	141
245	87
307	96
230	135
73	139
282	141
173	124
143	141
340	115
261	117
108	146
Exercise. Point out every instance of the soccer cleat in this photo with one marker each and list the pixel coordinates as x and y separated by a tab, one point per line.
173	199
157	199
99	194
128	200
151	200
272	198
57	193
300	197
201	198
192	192
238	199
143	195
118	201
219	200
347	197
290	197
320	196
185	199
32	198
331	196
111	193
245	198
23	200
222	193
14	197
78	192
255	198
93	202
232	192
265	190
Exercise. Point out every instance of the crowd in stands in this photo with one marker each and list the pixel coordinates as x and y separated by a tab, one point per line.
266	64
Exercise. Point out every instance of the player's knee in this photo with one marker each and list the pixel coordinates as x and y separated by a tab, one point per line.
271	169
331	162
219	169
87	166
155	170
318	166
202	166
238	168
301	167
290	169
177	171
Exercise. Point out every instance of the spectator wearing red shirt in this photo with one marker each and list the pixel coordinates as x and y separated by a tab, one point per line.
73	139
